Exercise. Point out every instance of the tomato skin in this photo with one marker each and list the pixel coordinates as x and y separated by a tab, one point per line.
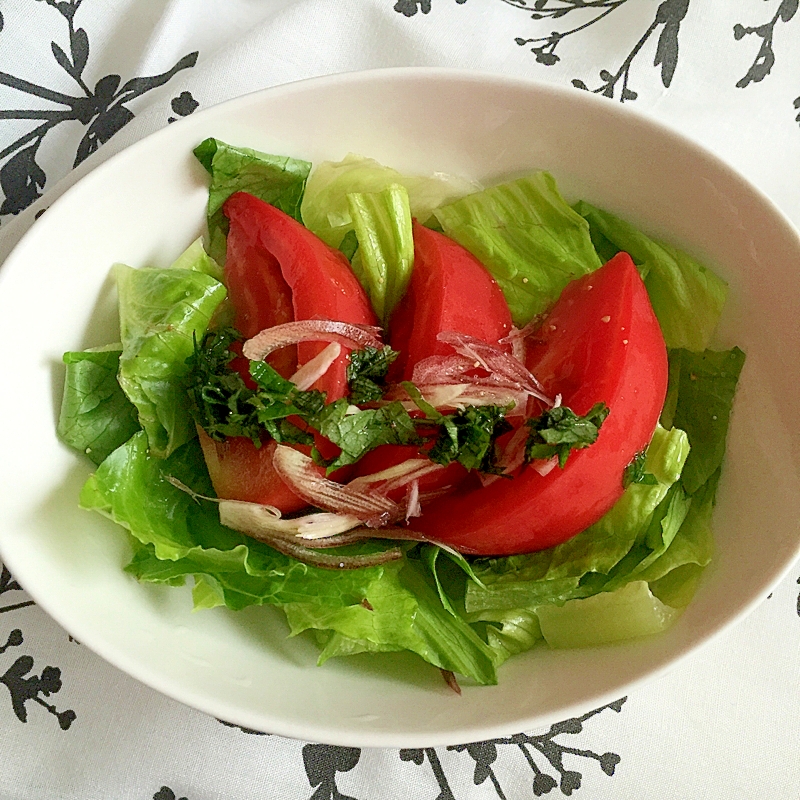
600	343
450	290
277	271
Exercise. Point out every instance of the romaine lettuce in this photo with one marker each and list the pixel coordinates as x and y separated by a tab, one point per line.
385	255
96	417
161	310
278	180
686	296
325	209
527	236
390	607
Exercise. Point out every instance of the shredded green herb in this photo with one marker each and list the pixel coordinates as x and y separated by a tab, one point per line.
560	430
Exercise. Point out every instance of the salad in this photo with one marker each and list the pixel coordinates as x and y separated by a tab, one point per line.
412	412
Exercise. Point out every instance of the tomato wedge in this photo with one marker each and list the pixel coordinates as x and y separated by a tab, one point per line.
277	271
450	290
600	343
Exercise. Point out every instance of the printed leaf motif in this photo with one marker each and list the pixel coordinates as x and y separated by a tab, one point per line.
103	111
21	180
79	46
668	17
322	762
24	689
765	58
545	745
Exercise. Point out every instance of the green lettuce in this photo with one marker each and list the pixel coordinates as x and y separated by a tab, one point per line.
177	537
626	613
161	310
278	180
687	297
326	210
527	236
96	417
702	386
582	564
385	255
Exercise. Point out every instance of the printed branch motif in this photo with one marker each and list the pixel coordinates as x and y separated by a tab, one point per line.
24	688
410	7
765	59
103	110
669	16
322	762
546	745
8	584
545	46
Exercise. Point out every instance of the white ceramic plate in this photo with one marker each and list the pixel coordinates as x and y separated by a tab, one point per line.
146	204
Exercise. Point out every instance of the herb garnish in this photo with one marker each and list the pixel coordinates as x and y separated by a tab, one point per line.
635	472
366	373
560	430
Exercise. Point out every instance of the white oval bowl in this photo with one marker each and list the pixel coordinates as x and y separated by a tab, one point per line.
144	205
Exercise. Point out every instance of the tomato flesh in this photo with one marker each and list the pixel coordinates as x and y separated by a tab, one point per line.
450	290
601	342
241	471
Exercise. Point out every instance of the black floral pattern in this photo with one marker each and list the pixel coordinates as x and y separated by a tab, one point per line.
546	745
322	763
22	686
765	58
557	761
103	110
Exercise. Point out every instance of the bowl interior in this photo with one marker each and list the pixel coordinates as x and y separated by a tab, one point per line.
143	206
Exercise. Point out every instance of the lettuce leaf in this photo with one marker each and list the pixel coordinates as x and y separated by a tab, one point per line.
177	537
278	180
385	255
325	208
161	310
96	417
527	236
702	387
686	296
627	613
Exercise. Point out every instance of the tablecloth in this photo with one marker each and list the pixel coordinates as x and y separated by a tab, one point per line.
82	79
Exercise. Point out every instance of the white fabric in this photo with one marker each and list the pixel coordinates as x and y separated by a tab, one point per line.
722	724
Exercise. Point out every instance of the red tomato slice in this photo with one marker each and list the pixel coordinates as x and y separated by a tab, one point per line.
277	271
318	278
600	343
450	290
241	471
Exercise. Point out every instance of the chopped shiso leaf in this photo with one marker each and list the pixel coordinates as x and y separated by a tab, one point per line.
558	431
366	373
